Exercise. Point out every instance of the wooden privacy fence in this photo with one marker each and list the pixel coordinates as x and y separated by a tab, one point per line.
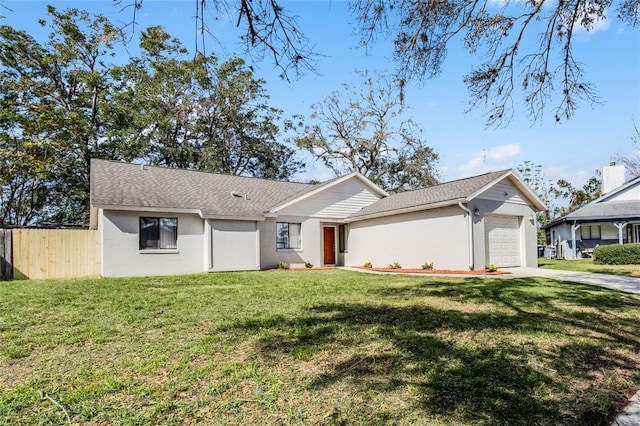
54	253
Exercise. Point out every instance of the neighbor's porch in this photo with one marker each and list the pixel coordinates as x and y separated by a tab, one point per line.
578	239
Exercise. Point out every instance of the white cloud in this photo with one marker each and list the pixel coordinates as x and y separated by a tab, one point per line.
576	177
487	160
599	25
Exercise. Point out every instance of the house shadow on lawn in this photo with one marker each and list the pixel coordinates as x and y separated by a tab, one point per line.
488	352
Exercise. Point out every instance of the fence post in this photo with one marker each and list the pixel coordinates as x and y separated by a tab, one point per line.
6	255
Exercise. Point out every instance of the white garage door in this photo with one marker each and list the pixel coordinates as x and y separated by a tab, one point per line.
503	240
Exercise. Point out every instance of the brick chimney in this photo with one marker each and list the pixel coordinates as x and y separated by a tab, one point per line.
613	176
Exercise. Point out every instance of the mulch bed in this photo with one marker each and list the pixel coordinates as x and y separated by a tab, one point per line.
315	268
435	271
404	271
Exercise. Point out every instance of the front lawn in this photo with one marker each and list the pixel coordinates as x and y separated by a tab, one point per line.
315	347
587	265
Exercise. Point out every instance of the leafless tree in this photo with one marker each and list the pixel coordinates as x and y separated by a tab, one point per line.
361	128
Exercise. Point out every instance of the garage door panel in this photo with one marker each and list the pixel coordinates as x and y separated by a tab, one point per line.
503	240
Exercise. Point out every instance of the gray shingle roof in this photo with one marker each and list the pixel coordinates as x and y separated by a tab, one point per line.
607	210
453	191
131	185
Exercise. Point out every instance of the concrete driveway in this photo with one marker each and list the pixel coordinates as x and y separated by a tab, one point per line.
614	282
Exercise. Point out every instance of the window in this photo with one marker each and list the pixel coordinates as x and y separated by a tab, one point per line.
342	238
158	233
288	235
590	232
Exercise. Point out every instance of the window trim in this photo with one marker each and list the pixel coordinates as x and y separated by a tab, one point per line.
288	240
151	250
592	235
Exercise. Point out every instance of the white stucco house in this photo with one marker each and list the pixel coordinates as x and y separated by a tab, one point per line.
161	221
613	218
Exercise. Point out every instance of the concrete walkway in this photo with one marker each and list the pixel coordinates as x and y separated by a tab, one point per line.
614	282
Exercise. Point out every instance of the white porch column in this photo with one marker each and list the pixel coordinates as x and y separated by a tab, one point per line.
574	228
620	226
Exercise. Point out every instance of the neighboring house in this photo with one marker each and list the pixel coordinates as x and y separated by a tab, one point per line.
156	220
614	218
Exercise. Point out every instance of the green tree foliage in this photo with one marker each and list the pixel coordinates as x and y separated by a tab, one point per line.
533	175
361	129
578	197
64	102
199	115
561	197
53	116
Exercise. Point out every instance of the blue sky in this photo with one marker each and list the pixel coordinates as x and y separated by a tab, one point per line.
571	150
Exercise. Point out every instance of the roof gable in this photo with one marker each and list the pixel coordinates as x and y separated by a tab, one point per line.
461	190
627	192
523	194
328	186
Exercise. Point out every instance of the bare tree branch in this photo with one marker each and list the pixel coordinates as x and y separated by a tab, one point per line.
512	65
270	30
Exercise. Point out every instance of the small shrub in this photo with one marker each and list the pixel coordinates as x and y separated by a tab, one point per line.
617	254
491	268
427	266
395	265
282	265
367	265
308	264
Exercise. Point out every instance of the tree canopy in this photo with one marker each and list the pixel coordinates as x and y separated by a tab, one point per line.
65	101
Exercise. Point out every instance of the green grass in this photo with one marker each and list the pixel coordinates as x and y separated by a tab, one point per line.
587	265
315	347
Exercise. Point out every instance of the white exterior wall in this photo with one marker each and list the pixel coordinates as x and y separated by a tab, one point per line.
233	245
441	235
336	202
326	208
411	239
630	194
515	206
121	256
311	246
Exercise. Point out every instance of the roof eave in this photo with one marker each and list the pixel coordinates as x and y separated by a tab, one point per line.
227	217
537	202
146	209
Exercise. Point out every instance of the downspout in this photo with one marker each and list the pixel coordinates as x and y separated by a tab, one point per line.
470	221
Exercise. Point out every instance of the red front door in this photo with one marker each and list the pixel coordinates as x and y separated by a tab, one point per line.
329	233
